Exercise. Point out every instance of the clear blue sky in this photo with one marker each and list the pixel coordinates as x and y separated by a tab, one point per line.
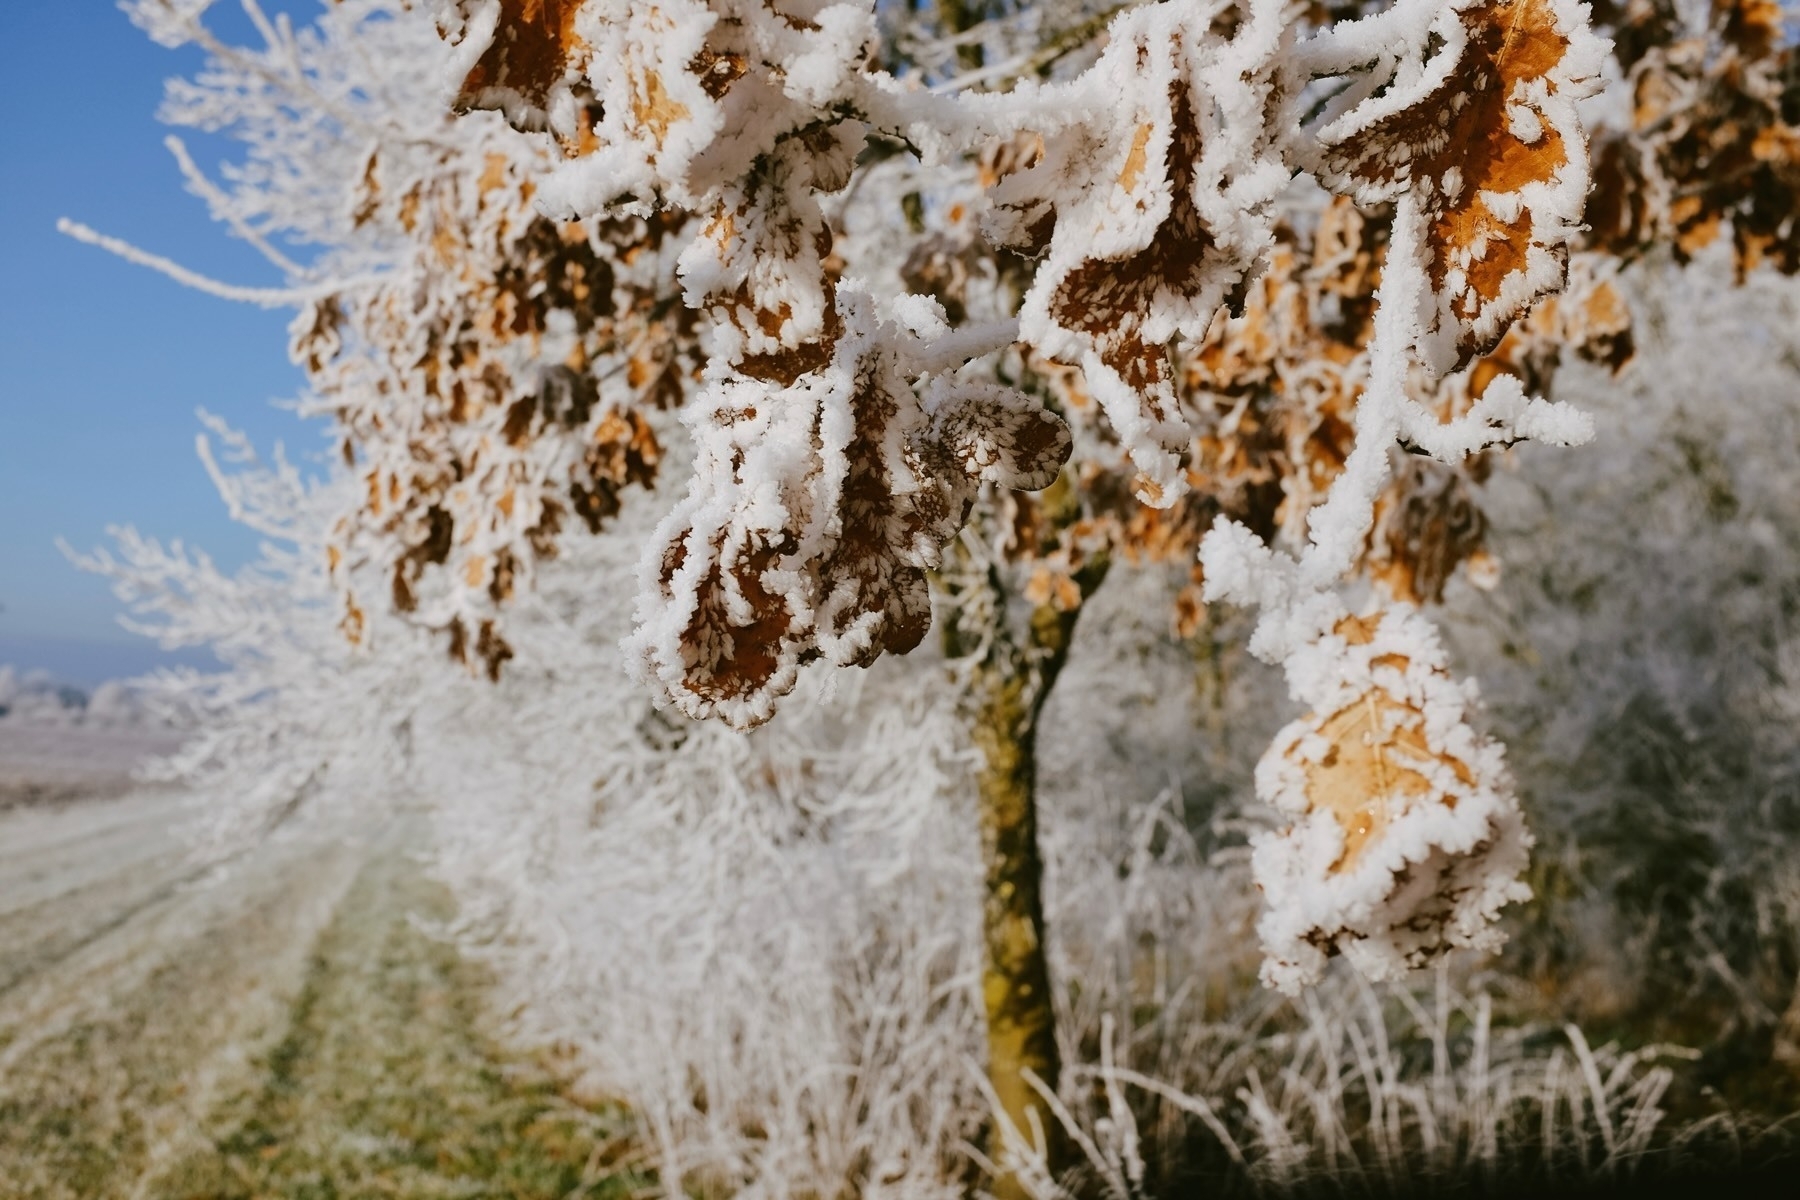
103	363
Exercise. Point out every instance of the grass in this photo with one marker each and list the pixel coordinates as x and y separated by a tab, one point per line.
385	1086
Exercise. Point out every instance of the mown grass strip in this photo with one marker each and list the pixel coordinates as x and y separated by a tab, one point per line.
384	1085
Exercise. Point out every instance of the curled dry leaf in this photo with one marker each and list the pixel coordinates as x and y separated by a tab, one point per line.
1159	212
817	506
531	67
1479	145
1404	838
758	271
1426	525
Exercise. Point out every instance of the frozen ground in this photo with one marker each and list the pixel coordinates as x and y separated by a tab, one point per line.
49	762
278	1024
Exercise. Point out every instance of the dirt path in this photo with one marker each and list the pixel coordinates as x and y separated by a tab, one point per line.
281	1027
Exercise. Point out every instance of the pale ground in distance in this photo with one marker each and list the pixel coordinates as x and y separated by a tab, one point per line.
282	1024
45	762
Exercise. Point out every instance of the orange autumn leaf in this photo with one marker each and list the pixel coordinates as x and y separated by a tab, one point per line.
533	52
1481	146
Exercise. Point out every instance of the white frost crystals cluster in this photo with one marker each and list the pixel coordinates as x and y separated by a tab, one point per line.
1404	837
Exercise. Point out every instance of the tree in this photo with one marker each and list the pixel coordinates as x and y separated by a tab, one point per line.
842	435
825	485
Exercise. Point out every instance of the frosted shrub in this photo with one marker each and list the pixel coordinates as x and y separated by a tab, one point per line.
1672	739
843	432
297	722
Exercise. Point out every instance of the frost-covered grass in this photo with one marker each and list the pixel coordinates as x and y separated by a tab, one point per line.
383	1085
285	1026
1385	1090
296	1029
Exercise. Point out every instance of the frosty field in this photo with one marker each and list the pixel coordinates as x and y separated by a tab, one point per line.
280	1024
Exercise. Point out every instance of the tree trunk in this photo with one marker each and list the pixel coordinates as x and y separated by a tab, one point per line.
1008	685
1015	977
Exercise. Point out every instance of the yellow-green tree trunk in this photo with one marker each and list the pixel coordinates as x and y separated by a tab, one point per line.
1008	685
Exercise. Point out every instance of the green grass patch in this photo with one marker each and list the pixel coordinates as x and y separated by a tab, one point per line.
385	1086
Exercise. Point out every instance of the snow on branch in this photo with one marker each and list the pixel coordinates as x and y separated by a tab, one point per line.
261	297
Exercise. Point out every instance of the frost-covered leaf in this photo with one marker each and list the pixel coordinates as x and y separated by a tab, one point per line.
818	503
996	435
1157	188
693	95
1404	838
758	271
1475	132
527	64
